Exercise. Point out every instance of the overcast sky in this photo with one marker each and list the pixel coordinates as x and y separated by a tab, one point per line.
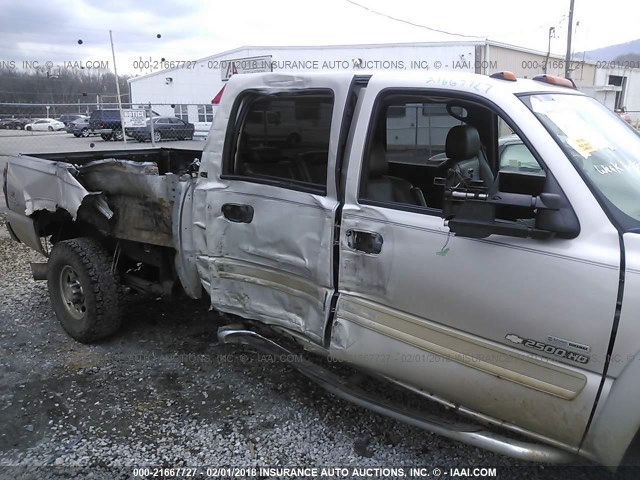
191	29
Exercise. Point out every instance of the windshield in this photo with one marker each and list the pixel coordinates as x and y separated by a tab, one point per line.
600	144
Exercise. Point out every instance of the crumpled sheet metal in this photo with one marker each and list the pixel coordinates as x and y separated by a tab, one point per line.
126	177
43	186
34	184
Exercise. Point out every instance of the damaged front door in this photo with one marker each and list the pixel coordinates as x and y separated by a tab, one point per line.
268	215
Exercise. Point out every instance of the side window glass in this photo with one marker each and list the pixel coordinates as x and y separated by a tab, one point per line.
514	155
407	151
283	138
419	130
420	144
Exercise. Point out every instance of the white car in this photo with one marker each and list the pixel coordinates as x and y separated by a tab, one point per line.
45	124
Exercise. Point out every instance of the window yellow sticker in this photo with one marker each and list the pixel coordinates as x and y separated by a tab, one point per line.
582	146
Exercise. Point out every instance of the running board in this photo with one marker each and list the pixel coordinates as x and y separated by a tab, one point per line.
474	435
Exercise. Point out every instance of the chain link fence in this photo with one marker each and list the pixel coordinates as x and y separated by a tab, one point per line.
30	128
48	128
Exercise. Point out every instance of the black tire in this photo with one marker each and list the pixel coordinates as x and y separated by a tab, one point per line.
77	135
84	293
157	136
84	132
50	128
29	128
117	135
105	136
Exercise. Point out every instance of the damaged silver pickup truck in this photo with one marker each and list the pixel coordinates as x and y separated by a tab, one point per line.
472	239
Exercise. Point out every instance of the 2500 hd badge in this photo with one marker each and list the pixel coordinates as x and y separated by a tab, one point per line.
546	348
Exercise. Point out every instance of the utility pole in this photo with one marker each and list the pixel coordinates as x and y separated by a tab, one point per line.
115	70
567	58
552	32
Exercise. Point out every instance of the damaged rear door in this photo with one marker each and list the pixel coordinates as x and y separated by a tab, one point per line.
265	202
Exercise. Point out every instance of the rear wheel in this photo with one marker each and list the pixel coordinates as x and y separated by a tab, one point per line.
117	135
157	136
50	128
84	291
29	129
84	132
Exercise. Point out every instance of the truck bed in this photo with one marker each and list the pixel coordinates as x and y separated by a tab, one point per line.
127	195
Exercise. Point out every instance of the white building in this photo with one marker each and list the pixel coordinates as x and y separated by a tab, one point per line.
187	90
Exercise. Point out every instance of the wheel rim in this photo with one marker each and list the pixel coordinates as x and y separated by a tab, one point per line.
85	132
156	136
117	135
72	293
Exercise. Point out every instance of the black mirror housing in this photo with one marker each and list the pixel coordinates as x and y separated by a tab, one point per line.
471	211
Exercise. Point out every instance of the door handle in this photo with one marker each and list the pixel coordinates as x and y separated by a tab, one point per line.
367	242
237	213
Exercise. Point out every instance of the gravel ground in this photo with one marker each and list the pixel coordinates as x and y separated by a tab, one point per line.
163	393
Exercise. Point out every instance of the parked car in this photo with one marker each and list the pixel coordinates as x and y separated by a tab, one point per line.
164	128
332	250
623	114
14	123
515	156
45	124
79	127
107	123
70	118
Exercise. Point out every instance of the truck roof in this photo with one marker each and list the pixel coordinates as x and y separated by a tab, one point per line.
445	79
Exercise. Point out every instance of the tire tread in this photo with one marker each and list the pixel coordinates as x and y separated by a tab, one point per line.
104	284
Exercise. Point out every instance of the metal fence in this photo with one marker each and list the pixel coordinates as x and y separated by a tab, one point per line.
48	128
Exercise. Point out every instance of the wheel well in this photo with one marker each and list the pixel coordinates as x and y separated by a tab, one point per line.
153	263
59	225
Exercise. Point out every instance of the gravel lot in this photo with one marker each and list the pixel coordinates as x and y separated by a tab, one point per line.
163	393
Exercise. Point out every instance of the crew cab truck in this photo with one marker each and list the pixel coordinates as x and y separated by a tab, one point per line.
503	288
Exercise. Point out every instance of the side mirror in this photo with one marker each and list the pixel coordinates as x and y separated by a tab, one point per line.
474	212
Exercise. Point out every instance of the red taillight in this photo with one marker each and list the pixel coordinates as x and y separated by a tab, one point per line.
218	97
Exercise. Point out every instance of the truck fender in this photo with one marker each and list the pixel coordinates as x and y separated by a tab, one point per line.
617	419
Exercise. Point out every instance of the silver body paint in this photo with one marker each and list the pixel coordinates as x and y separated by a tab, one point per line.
430	311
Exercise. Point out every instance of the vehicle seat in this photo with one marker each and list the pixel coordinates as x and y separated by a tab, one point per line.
268	162
464	150
385	188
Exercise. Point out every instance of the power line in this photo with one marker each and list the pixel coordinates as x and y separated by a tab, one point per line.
407	22
395	19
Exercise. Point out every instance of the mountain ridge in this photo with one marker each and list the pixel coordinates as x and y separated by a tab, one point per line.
614	52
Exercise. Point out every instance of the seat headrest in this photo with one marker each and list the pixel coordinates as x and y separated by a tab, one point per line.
265	155
463	141
378	165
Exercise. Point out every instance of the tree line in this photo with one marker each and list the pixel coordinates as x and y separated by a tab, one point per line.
83	88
